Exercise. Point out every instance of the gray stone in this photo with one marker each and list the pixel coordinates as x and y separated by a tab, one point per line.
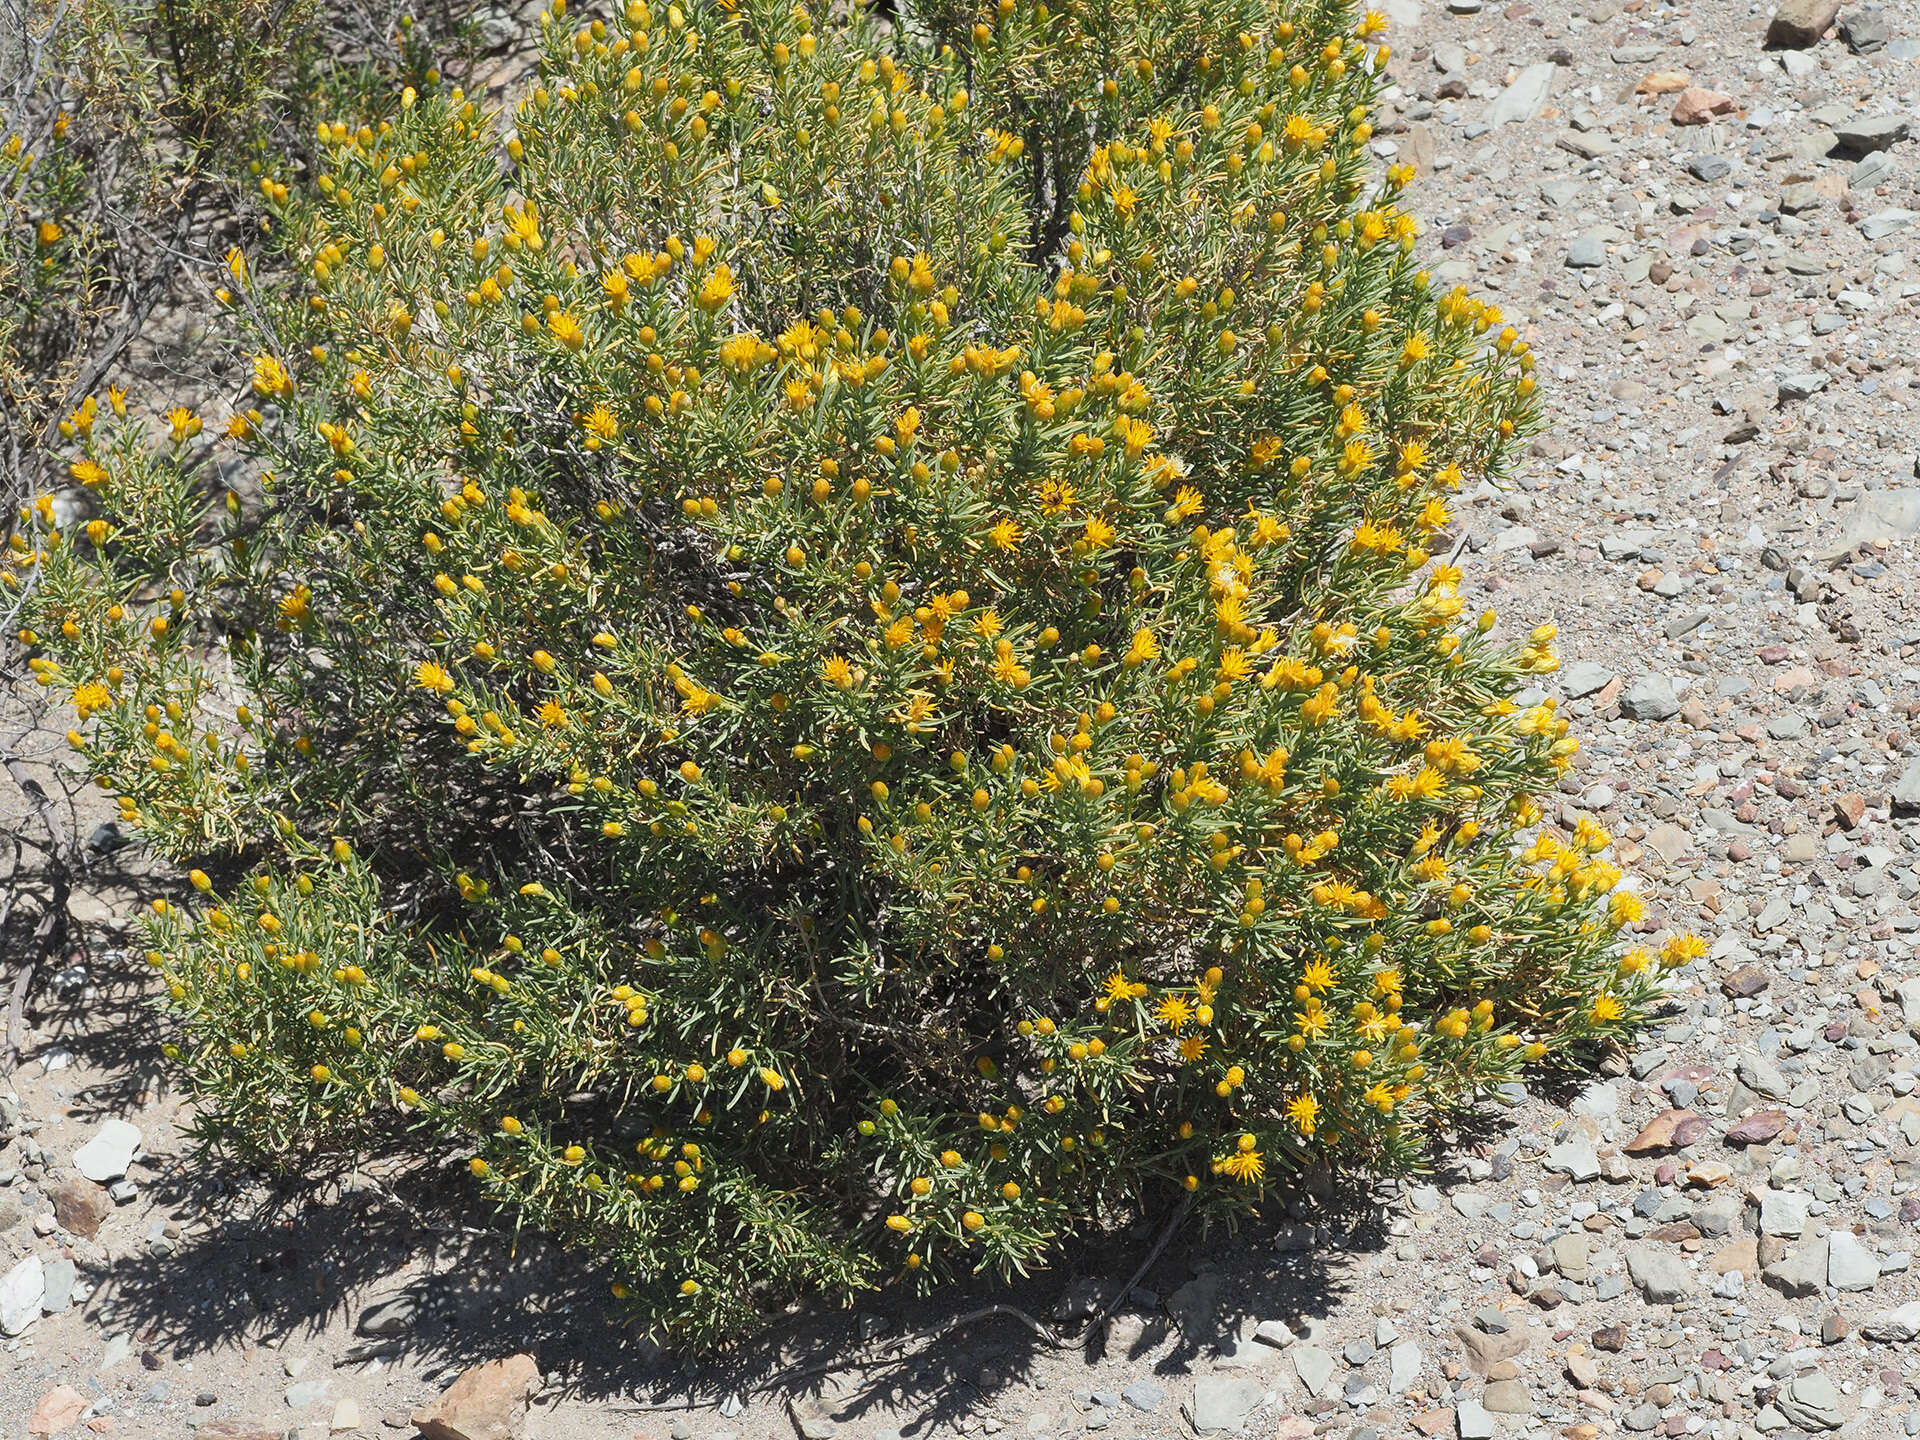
1588	251
107	1155
60	1275
1507	1397
1404	1361
1315	1368
1866	31
1525	97
1650	697
1145	1396
391	1316
1850	1265
303	1393
1574	1157
1662	1276
1760	1075
1894	1326
1810	1401
1195	1307
1871	170
1223	1403
1642	1417
1906	794
1473	1421
21	1293
1583	677
1882	223
1879	132
1800	1274
1783	1212
1571	1255
1708	167
1801	385
1799	24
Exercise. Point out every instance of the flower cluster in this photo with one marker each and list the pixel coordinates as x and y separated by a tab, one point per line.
834	678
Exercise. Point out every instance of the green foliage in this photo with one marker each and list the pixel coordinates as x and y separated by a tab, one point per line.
836	670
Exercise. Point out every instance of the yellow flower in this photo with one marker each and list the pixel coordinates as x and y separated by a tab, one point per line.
1303	1111
1143	647
1174	1012
600	424
430	676
1680	949
1247	1166
1607	1006
716	289
270	378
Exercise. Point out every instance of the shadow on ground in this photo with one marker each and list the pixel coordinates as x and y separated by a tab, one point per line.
263	1262
287	1263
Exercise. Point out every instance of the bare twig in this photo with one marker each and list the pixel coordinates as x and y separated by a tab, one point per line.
1159	1246
51	933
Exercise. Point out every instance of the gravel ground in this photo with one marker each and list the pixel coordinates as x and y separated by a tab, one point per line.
1715	1240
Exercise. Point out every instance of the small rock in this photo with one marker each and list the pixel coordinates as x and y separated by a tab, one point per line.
1663	1277
303	1393
1507	1397
21	1293
79	1205
1757	1128
1584	677
1474	1421
1783	1213
1850	1265
1642	1417
1697	106
1405	1361
1574	1157
1802	385
1894	1326
1810	1401
1524	98
1315	1367
1650	697
1760	1075
60	1277
488	1402
108	1154
391	1316
1669	1130
1223	1403
1799	24
1800	1274
1866	31
1587	252
59	1410
1146	1396
1484	1351
1869	134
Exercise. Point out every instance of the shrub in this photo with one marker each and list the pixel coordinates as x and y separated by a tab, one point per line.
835	668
